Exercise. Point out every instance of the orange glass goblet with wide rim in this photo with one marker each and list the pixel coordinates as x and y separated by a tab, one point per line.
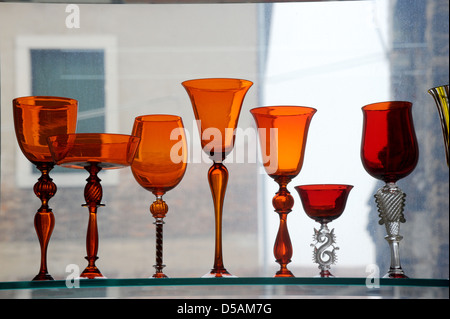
217	104
389	152
36	118
324	203
282	132
159	166
93	152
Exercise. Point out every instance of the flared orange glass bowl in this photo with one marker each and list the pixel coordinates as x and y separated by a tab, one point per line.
282	132
36	118
324	203
93	152
217	105
159	165
389	152
82	150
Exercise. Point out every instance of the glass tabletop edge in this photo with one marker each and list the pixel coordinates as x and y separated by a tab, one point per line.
245	281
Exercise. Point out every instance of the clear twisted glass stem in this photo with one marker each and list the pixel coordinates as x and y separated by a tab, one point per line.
323	240
390	201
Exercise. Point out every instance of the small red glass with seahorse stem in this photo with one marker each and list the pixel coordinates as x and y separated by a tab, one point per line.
324	203
93	152
36	118
283	132
389	152
217	104
159	166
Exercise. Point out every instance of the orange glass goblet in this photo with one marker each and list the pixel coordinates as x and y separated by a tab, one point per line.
93	152
217	105
282	132
389	152
159	165
324	203
36	118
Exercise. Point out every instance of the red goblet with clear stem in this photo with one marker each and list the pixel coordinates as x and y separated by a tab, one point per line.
283	132
93	152
324	203
389	152
159	166
36	118
217	105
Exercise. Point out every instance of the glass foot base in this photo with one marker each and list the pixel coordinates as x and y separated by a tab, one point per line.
42	277
92	273
217	273
284	273
159	275
395	275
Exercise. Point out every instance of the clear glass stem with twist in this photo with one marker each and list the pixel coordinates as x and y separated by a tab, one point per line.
390	201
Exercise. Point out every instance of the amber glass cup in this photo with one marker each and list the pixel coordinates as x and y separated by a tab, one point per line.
217	105
324	203
93	152
389	152
282	132
159	165
36	118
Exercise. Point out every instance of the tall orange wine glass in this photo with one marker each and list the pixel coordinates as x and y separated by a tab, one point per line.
93	152
36	118
159	165
282	132
217	105
389	152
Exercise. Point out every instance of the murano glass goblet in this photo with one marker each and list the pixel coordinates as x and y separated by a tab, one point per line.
324	203
440	95
93	152
217	105
389	152
283	132
159	165
36	118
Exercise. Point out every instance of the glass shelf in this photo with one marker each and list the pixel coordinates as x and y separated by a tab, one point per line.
135	282
221	288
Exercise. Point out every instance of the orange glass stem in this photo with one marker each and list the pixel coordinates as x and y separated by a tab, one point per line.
159	210
282	250
218	179
93	194
44	220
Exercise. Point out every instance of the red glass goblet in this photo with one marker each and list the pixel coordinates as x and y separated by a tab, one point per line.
36	118
217	104
159	165
389	152
93	152
282	134
324	203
